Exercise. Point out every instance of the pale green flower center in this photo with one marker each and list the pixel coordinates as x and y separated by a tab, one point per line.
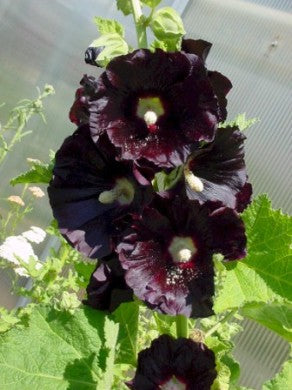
123	192
150	109
182	249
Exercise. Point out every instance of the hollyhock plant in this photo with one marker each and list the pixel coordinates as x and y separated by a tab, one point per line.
153	106
167	253
151	183
89	191
107	288
174	364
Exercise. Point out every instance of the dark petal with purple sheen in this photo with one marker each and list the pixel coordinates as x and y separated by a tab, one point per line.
180	81
155	279
221	86
243	198
81	173
190	363
107	288
179	287
221	168
79	112
228	233
196	46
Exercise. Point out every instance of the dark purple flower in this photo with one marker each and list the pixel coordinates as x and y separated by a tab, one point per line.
155	106
79	112
90	191
179	364
217	172
221	84
107	288
167	254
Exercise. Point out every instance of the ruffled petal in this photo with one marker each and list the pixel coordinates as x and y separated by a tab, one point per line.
220	166
182	361
82	173
107	288
179	81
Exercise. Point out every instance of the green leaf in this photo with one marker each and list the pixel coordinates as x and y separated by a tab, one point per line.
265	274
108	26
282	381
275	316
84	270
59	351
228	372
7	319
220	341
240	121
114	45
127	315
38	174
164	181
165	324
167	24
151	3
125	6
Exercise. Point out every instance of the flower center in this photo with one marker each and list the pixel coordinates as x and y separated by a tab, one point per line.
193	181
150	109
182	249
123	192
173	384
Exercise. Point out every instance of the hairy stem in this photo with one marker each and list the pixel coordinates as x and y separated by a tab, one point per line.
140	27
182	329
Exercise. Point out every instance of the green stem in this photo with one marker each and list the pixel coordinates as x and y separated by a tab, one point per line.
140	27
182	329
216	326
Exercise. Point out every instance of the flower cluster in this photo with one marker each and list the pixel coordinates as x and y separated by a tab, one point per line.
147	113
18	251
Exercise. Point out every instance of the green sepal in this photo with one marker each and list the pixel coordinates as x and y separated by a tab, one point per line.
164	181
156	44
125	6
166	24
240	121
151	3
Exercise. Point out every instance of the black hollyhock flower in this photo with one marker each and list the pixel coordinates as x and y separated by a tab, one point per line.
155	106
167	254
107	288
79	112
174	364
217	171
90	191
